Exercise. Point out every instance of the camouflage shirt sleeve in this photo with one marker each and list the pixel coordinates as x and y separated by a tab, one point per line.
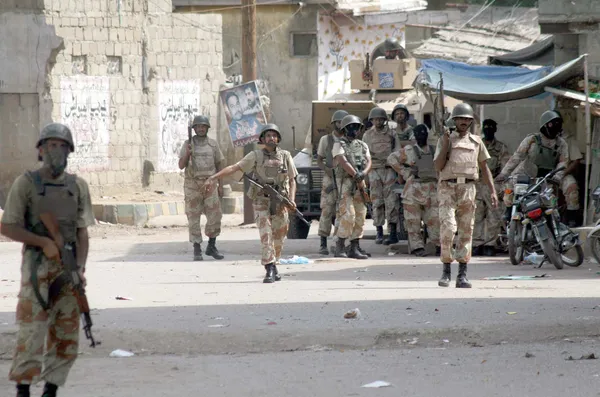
85	212
397	159
19	197
563	157
504	156
519	156
248	163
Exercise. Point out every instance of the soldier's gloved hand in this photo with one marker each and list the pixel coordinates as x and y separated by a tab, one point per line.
359	176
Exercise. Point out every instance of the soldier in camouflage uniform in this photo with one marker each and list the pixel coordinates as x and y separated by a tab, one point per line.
488	220
353	163
202	158
539	154
458	158
273	166
404	132
329	192
419	197
47	311
380	140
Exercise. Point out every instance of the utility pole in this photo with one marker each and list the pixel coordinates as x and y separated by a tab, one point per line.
248	74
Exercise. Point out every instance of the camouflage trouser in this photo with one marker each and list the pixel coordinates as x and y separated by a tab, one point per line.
457	208
352	212
57	329
420	202
488	221
384	201
328	203
272	228
568	185
198	202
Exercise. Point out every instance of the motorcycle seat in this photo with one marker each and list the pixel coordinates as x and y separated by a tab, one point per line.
523	179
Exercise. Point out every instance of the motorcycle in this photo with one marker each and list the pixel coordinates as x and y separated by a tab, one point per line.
535	226
594	235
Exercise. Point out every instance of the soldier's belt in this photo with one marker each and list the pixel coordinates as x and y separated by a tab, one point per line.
459	180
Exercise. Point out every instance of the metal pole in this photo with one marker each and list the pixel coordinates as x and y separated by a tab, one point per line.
248	74
588	143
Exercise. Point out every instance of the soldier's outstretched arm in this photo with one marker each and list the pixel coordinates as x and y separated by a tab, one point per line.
516	158
232	169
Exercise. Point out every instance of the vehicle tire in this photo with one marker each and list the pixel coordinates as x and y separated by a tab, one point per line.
594	239
515	248
297	230
550	249
578	258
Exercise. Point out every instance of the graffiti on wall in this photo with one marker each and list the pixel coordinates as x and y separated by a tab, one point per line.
178	103
85	109
340	44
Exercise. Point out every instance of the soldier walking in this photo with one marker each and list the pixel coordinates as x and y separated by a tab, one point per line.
380	140
274	166
329	192
488	220
353	163
419	197
458	158
47	311
201	158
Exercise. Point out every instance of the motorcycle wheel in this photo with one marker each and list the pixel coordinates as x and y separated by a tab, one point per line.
575	257
594	239
551	251
515	248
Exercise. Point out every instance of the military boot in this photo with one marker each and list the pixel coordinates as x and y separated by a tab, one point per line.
323	249
212	250
354	253
461	279
270	275
393	237
276	275
339	248
379	237
446	276
23	391
49	390
198	252
362	251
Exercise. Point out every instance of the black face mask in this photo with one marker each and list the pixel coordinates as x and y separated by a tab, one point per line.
489	133
552	131
56	160
352	130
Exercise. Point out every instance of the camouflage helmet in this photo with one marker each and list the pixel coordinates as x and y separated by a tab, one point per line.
201	120
548	116
56	131
269	127
350	119
391	44
376	113
403	107
338	116
462	110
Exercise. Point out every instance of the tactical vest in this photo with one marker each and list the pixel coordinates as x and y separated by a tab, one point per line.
381	146
271	168
545	158
355	154
203	157
60	199
462	159
404	137
424	164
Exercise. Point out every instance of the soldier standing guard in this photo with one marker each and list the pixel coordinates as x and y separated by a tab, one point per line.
273	166
458	158
48	311
381	141
404	132
487	219
353	163
419	197
206	159
329	192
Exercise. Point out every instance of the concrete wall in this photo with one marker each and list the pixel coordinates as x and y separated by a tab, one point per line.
126	79
567	10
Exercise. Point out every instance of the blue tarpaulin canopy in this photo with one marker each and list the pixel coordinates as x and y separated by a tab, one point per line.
481	84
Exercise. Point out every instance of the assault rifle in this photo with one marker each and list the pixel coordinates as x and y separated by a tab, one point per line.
276	197
70	273
191	159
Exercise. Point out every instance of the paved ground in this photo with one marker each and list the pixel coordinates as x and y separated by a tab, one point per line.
213	326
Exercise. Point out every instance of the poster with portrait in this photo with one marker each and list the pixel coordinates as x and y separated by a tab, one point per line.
244	113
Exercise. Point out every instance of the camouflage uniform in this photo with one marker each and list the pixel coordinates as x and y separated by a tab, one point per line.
352	210
488	220
419	197
538	155
382	177
47	340
275	168
404	137
328	199
457	198
205	161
